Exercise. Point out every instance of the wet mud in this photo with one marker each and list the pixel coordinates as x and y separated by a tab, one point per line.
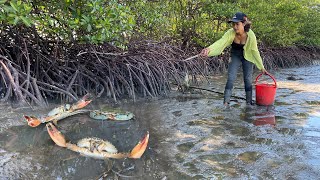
192	136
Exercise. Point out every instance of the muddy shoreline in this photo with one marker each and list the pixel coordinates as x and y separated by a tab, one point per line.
191	137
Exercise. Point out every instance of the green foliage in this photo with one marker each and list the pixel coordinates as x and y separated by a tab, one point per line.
214	16
310	28
92	21
151	19
196	22
15	12
276	22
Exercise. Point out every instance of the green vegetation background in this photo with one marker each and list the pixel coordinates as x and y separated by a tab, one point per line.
189	23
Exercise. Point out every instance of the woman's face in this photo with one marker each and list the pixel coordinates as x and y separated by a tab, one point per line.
238	27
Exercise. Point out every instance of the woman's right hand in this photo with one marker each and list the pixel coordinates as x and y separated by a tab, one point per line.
204	52
264	71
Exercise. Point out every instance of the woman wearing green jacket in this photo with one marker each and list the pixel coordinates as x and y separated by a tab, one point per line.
244	50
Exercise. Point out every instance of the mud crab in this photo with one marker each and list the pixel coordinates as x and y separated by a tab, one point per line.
95	147
60	112
111	115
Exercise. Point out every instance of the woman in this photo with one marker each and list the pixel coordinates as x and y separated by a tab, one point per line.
244	50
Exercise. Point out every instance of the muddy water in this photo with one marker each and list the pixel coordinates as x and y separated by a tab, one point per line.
191	137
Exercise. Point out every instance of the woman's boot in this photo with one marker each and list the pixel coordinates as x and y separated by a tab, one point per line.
227	96
249	97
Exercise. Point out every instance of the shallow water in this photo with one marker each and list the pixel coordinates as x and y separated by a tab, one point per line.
191	137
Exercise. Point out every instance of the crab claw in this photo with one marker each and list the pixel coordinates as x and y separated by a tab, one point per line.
33	121
139	149
83	102
56	135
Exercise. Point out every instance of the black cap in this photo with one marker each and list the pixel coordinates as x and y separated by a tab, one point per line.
239	16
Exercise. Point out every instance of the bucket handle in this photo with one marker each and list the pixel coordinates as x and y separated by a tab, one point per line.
274	80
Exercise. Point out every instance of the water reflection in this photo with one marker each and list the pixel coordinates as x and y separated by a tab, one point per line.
259	115
263	118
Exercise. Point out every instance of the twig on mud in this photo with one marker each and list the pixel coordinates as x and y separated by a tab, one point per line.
125	176
105	173
69	158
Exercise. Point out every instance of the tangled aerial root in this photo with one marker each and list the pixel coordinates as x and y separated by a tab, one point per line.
32	73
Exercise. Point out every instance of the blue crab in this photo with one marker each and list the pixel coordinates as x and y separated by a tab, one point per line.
111	114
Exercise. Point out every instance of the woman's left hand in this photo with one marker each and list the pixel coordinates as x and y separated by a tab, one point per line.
204	52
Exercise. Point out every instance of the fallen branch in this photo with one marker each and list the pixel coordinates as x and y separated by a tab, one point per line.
204	89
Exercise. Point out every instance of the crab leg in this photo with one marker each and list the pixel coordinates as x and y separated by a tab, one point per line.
56	135
139	149
34	121
83	102
75	109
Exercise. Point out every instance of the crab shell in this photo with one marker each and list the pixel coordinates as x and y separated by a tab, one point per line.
97	144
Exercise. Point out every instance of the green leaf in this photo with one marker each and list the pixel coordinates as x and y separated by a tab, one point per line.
8	8
16	20
89	28
12	15
14	6
26	21
51	22
27	8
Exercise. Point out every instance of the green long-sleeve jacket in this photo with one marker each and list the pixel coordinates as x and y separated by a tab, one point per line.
250	49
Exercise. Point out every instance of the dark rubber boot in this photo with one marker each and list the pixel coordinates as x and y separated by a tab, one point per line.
227	96
249	97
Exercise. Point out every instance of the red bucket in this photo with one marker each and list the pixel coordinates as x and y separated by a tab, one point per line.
265	92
